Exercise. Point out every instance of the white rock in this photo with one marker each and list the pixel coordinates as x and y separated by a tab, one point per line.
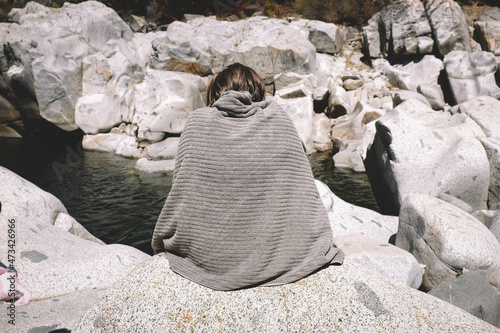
269	46
419	150
352	126
137	23
413	74
447	240
21	198
494	225
492	148
434	95
112	142
164	100
68	223
386	259
347	219
301	111
321	138
146	166
164	150
109	78
401	96
488	33
54	262
63	37
404	29
349	155
339	102
204	45
471	74
58	313
371	37
328	68
326	37
449	25
293	85
185	45
484	110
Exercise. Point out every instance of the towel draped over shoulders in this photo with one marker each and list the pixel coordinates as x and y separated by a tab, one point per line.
244	209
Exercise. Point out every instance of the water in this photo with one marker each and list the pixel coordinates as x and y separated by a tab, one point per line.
103	192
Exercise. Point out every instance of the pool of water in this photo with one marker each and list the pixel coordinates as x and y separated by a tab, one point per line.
104	193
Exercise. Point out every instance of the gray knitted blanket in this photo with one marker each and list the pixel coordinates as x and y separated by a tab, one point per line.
243	209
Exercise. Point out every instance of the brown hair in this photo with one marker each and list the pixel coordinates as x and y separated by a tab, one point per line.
239	78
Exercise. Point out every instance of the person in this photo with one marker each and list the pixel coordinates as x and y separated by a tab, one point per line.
243	210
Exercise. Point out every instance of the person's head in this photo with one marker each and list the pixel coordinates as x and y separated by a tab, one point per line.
239	78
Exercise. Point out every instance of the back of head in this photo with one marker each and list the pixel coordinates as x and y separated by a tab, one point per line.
236	77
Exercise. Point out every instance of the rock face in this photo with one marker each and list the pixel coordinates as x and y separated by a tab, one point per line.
449	26
109	79
447	241
348	298
418	150
472	293
51	62
417	76
471	74
412	27
399	29
488	34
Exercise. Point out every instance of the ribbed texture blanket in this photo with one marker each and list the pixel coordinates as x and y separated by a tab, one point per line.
243	209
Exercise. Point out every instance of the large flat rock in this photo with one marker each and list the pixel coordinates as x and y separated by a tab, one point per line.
347	298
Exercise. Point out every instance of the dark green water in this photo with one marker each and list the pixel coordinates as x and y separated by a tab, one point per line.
102	191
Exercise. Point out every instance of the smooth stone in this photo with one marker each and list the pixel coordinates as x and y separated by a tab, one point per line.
494	224
164	100
492	148
326	37
347	219
447	240
108	82
386	259
163	150
488	34
8	132
413	74
401	96
321	140
473	293
150	167
68	223
484	110
418	150
349	155
301	111
53	262
112	142
22	198
471	74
